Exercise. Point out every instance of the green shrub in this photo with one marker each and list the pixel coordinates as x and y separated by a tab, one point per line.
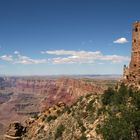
35	116
49	118
83	137
59	131
80	99
123	122
83	129
88	95
90	106
107	96
58	112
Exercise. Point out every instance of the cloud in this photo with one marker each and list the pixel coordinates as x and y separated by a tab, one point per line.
7	57
115	58
27	60
17	58
121	40
16	52
66	57
43	52
21	59
80	53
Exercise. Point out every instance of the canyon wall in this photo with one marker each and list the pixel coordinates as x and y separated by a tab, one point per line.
29	96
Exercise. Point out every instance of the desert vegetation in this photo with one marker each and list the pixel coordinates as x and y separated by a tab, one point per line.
122	110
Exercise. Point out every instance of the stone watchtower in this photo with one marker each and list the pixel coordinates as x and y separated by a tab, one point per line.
133	71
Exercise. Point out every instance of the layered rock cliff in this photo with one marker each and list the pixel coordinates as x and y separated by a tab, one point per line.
31	96
53	91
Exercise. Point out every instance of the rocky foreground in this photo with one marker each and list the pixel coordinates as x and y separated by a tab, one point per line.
77	122
21	98
114	115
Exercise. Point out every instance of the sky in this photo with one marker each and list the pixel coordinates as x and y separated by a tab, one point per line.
52	37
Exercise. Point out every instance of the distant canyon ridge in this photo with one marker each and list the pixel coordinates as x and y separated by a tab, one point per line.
21	97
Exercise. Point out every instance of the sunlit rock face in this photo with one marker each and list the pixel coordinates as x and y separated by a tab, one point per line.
30	96
78	121
53	91
14	131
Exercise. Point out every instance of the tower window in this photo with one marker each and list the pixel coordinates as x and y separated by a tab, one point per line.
135	40
134	65
136	29
126	76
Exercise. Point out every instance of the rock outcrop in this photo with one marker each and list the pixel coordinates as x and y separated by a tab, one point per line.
61	122
15	131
